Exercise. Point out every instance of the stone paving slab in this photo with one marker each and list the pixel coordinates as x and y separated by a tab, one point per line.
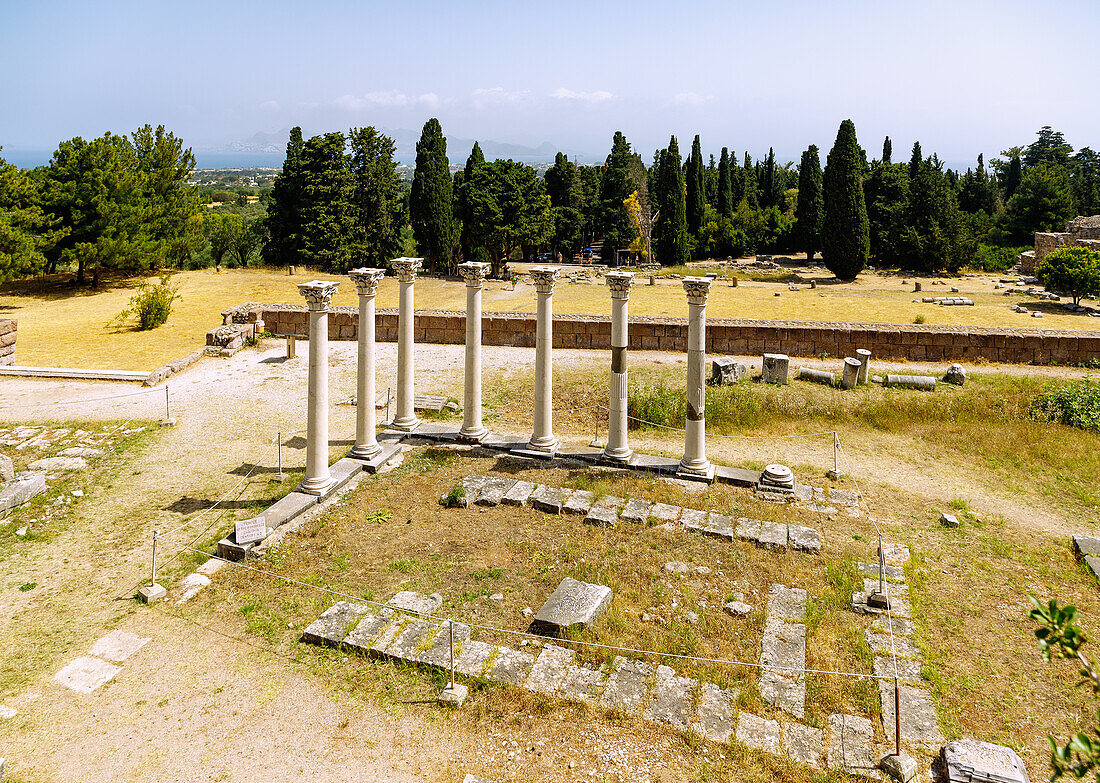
757	732
892	573
439	653
493	491
693	520
416	603
671	700
549	670
909	672
895	554
787	603
715	713
804	743
748	529
785	692
117	646
579	502
331	627
519	494
363	635
718	526
626	686
610	501
900	625
636	510
803	539
1086	545
412	640
899	589
851	746
510	666
472	657
86	674
663	512
387	636
918	715
573	604
880	645
472	486
583	684
601	517
899	608
550	499
773	535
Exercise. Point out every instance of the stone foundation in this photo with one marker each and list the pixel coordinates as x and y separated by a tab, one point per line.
916	342
1080	232
7	341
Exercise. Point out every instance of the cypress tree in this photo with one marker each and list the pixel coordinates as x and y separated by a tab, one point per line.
887	151
710	180
378	199
615	187
284	221
767	181
462	198
328	211
749	190
1012	179
671	238
915	161
696	203
844	233
431	204
725	186
811	204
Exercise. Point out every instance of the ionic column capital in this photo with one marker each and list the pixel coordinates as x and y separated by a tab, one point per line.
366	280
543	278
318	294
697	289
474	273
620	283
406	268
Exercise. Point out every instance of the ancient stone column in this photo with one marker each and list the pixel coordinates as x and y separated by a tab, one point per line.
542	437
617	449
405	269
695	460
318	294
366	444
473	272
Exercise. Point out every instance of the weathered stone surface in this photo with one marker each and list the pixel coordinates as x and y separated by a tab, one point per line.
901	768
76	451
726	371
365	632
880	644
773	536
117	646
610	501
757	732
900	625
472	657
572	604
677	568
748	529
190	586
737	608
955	374
54	464
16	493
718	526
471	488
918	715
787	603
519	494
784	647
412	640
1086	545
663	512
715	713
895	554
850	744
967	760
949	520
476	779
583	684
579	502
86	674
549	670
601	517
416	603
803	539
387	635
775	368
510	666
492	492
1093	564
453	695
671	700
636	510
439	653
892	573
626	686
7	470
550	499
899	607
804	743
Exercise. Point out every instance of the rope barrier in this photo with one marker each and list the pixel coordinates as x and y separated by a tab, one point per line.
81	402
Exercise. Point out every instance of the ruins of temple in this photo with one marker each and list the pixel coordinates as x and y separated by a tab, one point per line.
1081	231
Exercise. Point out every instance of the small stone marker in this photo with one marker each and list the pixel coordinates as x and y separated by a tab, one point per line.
572	604
900	768
968	760
949	520
249	531
453	696
956	374
725	371
775	368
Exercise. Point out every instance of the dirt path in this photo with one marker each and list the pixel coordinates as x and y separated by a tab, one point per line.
202	703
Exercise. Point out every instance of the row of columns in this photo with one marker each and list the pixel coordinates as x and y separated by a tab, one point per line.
318	295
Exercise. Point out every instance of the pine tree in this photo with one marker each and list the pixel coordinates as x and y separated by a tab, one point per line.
670	233
284	222
887	151
811	205
725	185
615	187
844	234
431	204
696	199
327	211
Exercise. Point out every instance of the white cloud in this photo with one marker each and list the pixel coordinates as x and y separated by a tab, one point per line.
484	97
691	99
597	96
384	98
270	105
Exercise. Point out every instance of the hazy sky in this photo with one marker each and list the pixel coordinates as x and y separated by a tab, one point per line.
963	77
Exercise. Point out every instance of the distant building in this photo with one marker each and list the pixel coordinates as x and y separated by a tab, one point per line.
1080	232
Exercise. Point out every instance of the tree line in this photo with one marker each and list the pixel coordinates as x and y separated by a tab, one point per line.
123	202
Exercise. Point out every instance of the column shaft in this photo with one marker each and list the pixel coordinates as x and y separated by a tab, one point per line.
472	428
366	442
406	416
695	453
318	479
617	421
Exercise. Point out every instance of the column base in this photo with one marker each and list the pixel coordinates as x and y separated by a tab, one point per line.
702	470
472	436
405	425
622	455
318	485
365	451
373	463
548	445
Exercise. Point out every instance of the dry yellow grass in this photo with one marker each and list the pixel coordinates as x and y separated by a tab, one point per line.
60	325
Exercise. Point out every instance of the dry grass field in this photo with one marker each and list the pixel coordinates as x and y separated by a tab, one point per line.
61	325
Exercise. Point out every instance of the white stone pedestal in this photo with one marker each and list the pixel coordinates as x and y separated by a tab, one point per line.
366	442
405	269
695	462
617	449
473	272
318	479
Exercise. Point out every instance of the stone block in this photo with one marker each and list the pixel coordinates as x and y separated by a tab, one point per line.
453	696
573	604
117	646
519	494
151	593
773	535
416	603
804	743
364	633
549	670
550	499
900	768
918	715
663	512
579	502
583	684
510	667
851	741
715	712
7	470
748	529
472	656
438	654
413	639
1086	545
492	492
725	371
86	674
601	516
636	510
627	686
892	573
760	733
16	493
967	760
738	477
671	700
787	603
775	368
880	644
803	539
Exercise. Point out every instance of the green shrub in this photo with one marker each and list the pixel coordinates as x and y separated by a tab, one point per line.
1075	404
151	304
992	258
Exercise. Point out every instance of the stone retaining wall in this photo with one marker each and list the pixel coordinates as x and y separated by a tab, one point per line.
7	341
917	342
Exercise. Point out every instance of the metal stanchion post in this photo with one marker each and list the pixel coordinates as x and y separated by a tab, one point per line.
280	476
897	717
451	647
153	569
167	409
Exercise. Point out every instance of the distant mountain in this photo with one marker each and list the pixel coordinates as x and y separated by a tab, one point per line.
458	149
